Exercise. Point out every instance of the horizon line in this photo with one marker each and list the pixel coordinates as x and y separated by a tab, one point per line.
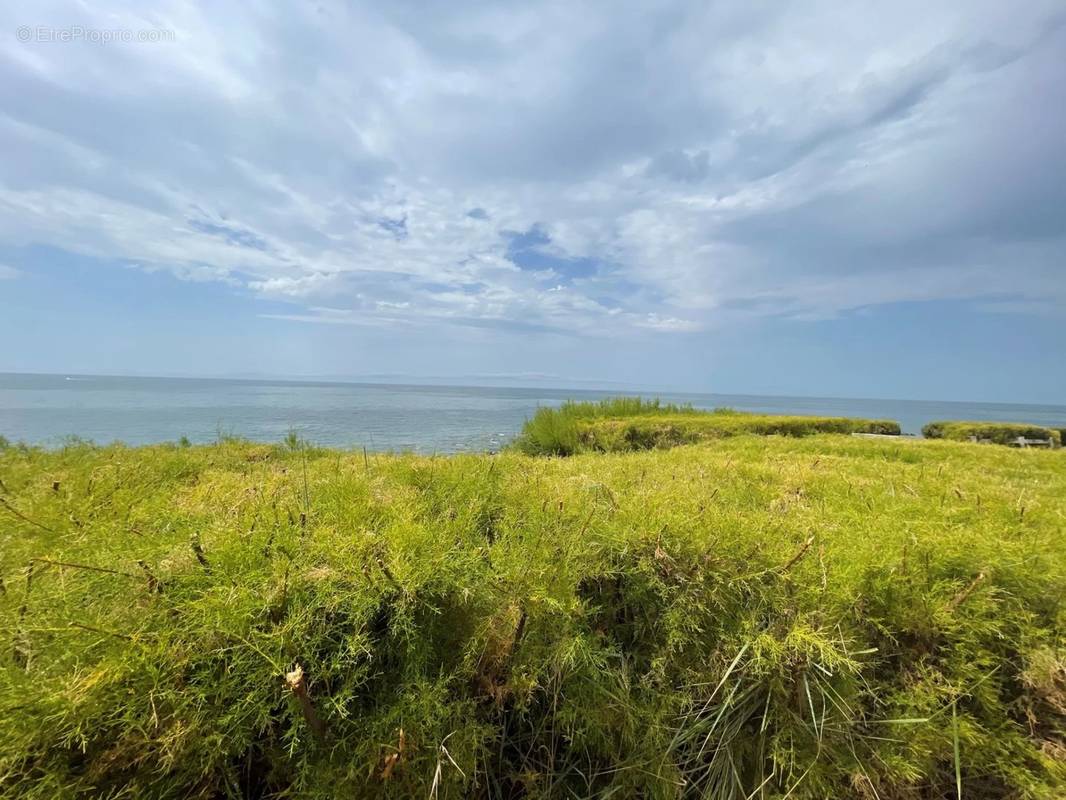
405	379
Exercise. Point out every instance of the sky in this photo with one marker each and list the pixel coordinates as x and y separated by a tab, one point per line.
817	198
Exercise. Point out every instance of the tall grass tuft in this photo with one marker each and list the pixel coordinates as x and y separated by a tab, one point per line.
555	431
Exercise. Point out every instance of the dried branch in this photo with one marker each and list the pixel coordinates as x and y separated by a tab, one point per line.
961	597
298	686
89	567
23	517
198	551
101	630
154	584
799	554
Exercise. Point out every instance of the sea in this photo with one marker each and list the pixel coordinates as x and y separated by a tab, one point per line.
48	410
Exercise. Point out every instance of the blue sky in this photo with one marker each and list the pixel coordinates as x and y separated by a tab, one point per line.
792	198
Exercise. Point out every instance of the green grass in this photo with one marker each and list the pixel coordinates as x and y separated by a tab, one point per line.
622	424
759	617
612	407
996	432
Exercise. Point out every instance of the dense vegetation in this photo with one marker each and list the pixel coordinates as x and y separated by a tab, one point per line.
622	424
760	617
996	432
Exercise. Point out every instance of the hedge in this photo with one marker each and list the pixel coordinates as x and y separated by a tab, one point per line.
581	427
996	432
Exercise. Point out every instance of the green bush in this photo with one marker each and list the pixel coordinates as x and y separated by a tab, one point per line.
633	424
996	432
933	430
646	434
801	618
554	431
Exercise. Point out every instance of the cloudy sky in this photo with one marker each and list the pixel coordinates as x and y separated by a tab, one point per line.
794	198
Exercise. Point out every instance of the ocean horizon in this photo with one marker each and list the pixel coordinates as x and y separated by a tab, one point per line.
47	410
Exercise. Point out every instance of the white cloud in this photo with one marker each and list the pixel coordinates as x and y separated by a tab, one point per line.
8	273
690	163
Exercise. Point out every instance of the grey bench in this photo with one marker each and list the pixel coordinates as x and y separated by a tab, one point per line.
1021	441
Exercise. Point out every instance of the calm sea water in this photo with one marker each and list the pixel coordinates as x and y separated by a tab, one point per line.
46	409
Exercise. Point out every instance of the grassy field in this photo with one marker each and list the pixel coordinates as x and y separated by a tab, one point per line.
749	617
623	424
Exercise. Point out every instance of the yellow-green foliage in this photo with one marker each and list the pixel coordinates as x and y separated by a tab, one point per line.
997	432
622	424
764	617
